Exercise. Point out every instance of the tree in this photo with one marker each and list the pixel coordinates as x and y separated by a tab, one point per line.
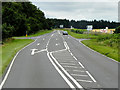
117	30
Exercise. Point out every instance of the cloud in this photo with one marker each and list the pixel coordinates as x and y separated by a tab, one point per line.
80	10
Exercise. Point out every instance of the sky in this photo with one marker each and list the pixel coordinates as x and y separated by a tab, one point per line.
79	9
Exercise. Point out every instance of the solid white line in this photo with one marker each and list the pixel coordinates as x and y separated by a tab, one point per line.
81	65
12	62
63	76
76	83
79	75
91	76
83	80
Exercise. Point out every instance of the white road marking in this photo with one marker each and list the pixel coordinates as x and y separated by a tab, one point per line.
91	76
56	39
79	75
63	76
33	51
78	71
72	66
81	65
38	44
77	60
43	39
57	44
68	63
9	69
83	80
76	83
59	51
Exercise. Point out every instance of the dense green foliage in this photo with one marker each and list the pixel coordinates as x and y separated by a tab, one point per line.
79	31
19	17
83	23
117	30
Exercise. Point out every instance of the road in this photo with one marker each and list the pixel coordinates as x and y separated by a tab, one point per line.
57	61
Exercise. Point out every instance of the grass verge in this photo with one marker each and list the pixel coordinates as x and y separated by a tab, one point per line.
8	51
103	49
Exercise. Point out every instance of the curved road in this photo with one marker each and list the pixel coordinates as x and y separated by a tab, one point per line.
57	61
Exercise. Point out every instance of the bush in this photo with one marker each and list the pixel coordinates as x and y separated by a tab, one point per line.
117	30
7	31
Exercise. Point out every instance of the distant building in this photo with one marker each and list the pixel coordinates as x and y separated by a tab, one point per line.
89	27
61	26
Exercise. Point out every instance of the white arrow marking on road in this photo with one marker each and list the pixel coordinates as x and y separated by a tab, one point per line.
33	51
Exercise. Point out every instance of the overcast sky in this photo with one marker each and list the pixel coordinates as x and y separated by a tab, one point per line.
79	10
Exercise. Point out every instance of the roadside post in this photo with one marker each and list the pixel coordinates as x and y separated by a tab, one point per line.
26	34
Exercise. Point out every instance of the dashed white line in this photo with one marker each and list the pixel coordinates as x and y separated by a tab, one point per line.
91	76
81	65
38	44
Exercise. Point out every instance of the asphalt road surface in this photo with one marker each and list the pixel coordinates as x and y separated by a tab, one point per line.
60	61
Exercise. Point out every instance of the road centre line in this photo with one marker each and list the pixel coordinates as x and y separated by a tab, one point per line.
38	44
76	83
79	62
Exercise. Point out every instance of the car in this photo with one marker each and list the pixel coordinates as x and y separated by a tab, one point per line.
65	33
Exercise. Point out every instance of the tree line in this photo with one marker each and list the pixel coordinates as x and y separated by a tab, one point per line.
19	17
100	24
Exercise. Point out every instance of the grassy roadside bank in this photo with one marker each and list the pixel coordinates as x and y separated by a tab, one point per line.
103	49
106	44
11	47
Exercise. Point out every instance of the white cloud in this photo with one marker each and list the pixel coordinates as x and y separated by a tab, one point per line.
80	10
